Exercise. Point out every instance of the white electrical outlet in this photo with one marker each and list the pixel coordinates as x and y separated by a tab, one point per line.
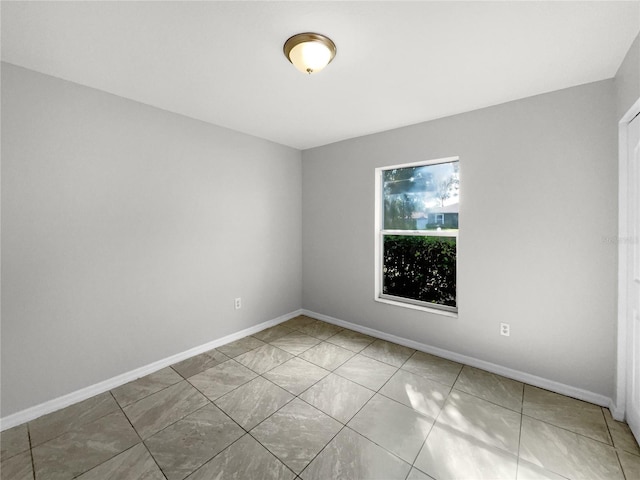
504	329
238	303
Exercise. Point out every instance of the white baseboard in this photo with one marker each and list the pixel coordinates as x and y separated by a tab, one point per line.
524	377
617	412
50	406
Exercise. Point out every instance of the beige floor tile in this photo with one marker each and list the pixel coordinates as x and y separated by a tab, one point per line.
157	411
575	415
221	379
245	459
264	358
529	471
366	371
189	443
54	424
14	441
434	368
416	474
630	465
448	454
489	386
419	393
393	426
296	433
388	352
199	363
273	333
351	456
83	448
351	340
566	453
337	397
254	401
296	375
241	346
135	463
327	355
321	330
621	434
295	343
484	421
298	322
145	386
17	467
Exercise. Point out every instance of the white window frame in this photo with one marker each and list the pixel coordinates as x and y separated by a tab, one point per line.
380	232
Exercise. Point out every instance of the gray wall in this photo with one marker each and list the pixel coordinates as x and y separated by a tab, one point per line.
627	80
127	231
536	249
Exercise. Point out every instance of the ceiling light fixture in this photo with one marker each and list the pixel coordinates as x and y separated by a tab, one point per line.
309	52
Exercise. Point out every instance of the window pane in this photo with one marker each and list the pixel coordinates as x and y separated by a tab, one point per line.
421	198
420	268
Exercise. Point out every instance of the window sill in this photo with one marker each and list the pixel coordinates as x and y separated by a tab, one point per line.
435	311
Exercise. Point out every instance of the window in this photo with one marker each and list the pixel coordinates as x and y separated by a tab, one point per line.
417	234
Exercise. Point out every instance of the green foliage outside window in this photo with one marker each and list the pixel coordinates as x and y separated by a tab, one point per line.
420	268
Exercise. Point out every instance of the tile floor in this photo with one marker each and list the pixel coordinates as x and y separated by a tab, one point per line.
306	399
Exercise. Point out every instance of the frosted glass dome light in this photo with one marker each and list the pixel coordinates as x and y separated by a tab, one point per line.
309	52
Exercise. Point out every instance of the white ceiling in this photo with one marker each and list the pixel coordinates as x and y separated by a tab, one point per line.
398	63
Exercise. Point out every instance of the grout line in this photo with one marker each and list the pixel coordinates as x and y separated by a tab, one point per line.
33	462
624	475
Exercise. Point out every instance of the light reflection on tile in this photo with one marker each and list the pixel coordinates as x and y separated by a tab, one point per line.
482	420
351	456
489	386
529	471
398	428
419	393
567	453
337	397
448	454
434	368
